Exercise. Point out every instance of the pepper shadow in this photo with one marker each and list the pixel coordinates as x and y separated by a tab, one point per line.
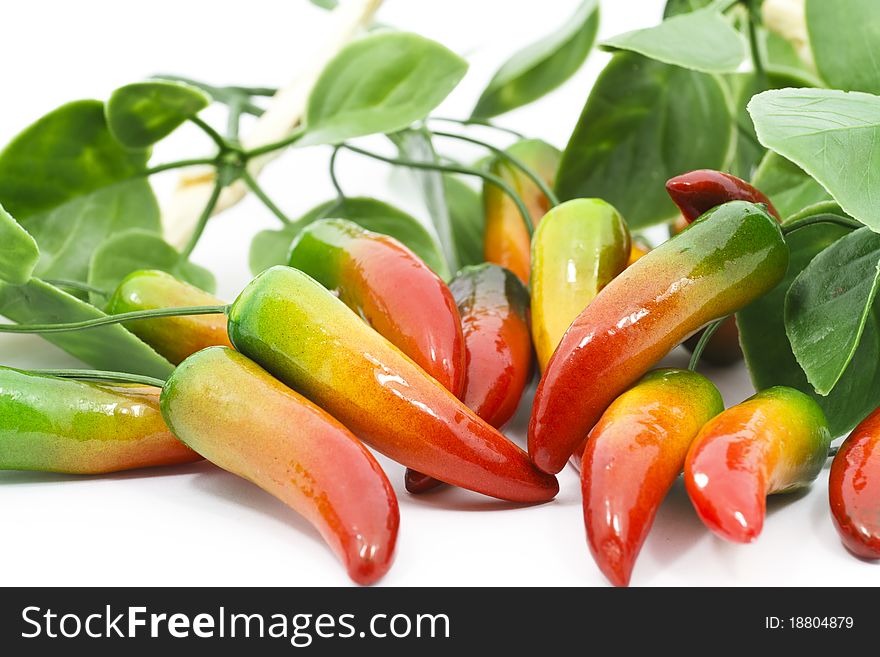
453	498
23	477
677	529
249	497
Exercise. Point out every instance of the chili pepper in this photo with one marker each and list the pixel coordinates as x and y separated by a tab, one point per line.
494	309
506	240
774	442
301	333
632	457
236	415
175	338
639	247
854	489
392	289
723	261
578	248
77	427
697	192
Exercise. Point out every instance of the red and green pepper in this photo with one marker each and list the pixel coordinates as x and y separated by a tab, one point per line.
731	256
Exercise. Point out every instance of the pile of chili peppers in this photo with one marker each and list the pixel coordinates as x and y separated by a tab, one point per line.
359	343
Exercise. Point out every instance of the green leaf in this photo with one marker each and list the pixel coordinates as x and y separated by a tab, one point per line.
644	123
702	40
379	84
105	348
832	135
65	154
676	7
845	37
828	305
129	251
19	254
782	60
372	214
417	145
542	66
325	4
749	151
466	216
69	234
271	247
143	113
786	184
768	351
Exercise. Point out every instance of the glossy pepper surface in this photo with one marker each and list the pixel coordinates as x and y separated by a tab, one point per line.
175	338
697	192
77	427
854	489
494	308
774	442
723	261
309	339
506	240
239	417
392	289
578	248
632	457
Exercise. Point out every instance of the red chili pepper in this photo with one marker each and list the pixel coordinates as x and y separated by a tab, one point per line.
493	304
632	457
697	192
774	442
721	263
235	414
392	289
854	489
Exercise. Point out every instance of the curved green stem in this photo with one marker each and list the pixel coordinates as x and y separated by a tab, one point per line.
254	186
339	193
101	375
708	332
754	44
76	285
446	168
119	318
515	161
203	219
480	122
295	136
215	136
179	164
844	222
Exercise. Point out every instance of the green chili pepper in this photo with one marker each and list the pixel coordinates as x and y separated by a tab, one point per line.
76	427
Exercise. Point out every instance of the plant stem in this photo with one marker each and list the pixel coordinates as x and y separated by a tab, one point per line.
339	193
233	120
295	136
76	285
215	136
708	332
754	44
446	168
154	313
480	122
101	375
180	164
254	186
203	219
515	161
844	222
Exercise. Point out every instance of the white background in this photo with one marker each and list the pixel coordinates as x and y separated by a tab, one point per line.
198	525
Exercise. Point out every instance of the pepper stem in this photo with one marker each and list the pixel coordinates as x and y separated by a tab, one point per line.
708	332
485	123
100	375
114	319
515	161
836	220
449	168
